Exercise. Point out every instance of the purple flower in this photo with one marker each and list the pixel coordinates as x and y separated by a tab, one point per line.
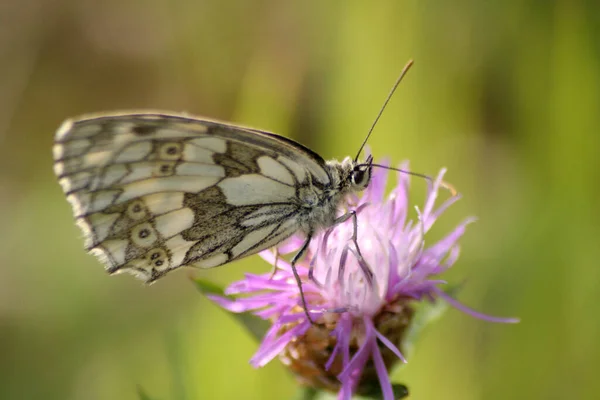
360	319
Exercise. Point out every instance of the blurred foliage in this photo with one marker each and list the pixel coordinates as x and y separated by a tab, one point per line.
505	94
256	327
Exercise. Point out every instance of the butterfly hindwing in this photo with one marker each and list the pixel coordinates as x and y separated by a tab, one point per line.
154	192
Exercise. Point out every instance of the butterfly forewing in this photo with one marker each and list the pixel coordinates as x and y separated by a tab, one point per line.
154	192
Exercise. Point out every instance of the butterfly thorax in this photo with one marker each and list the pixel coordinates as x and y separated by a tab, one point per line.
322	206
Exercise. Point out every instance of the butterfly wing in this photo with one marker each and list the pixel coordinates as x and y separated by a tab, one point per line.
154	192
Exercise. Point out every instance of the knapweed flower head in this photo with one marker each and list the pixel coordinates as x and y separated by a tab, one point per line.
361	300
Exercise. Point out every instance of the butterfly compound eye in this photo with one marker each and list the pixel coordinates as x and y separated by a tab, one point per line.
361	175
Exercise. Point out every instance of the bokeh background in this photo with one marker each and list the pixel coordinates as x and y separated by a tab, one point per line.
505	94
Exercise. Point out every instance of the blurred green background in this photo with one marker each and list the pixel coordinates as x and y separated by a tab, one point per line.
505	94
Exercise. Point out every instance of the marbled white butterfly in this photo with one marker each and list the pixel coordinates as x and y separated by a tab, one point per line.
153	192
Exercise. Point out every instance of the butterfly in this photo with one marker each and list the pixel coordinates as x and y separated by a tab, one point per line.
153	192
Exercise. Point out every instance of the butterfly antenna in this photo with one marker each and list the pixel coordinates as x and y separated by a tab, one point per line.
387	100
428	178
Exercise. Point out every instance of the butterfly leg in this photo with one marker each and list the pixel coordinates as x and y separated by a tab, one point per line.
361	261
275	269
363	264
297	257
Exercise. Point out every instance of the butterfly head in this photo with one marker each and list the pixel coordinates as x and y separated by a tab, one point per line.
356	175
361	174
